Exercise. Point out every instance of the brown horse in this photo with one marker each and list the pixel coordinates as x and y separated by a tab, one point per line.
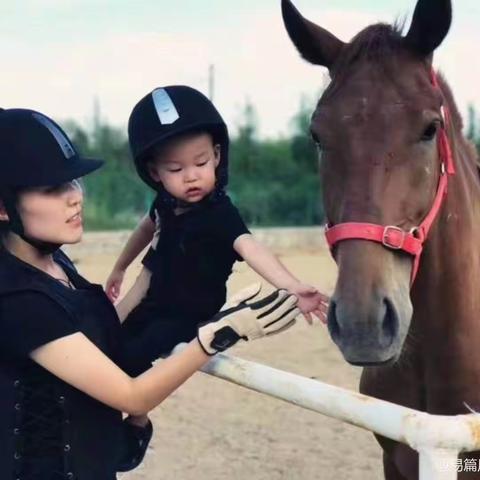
385	129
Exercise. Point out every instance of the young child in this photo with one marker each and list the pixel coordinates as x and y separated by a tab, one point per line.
179	143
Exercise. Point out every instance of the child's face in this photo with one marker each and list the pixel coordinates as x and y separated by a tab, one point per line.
186	168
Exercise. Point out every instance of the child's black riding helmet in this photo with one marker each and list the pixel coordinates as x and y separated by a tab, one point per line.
170	111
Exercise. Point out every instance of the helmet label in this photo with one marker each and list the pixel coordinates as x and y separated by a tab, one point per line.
166	111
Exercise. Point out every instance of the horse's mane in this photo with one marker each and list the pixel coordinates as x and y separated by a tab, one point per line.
455	115
457	121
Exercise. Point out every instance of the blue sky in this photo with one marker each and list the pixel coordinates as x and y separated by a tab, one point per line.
57	55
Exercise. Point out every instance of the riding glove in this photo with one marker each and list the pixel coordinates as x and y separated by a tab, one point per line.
248	319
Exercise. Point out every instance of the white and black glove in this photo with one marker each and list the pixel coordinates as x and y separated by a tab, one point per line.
243	318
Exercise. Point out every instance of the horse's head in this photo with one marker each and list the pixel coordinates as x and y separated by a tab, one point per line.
376	126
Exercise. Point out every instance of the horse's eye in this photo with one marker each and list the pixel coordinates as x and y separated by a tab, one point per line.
429	132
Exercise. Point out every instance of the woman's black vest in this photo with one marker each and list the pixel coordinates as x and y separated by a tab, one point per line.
48	429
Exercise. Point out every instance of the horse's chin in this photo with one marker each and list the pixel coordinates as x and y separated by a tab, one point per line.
385	363
373	359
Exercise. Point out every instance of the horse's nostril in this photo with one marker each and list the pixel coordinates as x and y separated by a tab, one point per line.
333	325
390	323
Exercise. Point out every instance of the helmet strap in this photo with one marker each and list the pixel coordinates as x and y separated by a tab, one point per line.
15	224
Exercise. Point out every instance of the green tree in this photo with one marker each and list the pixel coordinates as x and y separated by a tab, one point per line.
275	182
472	123
302	145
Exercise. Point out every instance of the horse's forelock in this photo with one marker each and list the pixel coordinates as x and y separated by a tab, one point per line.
377	43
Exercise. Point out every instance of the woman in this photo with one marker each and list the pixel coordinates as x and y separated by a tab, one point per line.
62	388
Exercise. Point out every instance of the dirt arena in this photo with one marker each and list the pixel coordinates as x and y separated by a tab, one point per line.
210	429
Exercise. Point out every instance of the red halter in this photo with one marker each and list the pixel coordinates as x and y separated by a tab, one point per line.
391	236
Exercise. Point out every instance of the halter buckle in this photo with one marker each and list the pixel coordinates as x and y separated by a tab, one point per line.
393	237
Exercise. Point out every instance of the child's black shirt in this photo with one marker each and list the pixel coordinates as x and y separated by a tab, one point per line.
193	259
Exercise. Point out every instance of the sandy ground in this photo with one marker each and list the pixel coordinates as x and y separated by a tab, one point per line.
210	429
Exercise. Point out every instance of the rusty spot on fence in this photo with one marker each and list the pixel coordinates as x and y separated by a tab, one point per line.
473	423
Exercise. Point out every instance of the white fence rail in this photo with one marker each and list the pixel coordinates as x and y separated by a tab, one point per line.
437	438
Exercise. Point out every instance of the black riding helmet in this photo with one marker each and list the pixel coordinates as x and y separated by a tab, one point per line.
170	111
35	152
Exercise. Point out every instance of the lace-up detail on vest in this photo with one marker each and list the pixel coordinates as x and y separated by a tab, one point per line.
42	451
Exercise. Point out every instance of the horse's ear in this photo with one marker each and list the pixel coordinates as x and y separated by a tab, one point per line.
430	24
314	43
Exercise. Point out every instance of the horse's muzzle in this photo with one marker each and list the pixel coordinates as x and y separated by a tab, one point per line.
369	335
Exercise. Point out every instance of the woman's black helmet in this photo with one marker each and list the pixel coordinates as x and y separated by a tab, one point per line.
34	152
170	111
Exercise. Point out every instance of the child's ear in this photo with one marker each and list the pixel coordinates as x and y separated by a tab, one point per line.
3	213
152	171
217	154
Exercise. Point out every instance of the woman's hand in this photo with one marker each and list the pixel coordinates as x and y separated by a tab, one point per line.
248	319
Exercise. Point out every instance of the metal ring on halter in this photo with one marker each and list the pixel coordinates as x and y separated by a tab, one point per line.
418	233
414	231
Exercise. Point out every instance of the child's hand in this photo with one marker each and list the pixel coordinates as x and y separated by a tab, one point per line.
114	284
310	300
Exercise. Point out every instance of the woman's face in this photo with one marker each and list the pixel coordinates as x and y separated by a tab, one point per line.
53	214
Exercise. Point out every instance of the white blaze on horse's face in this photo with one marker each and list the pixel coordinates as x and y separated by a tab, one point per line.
376	126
